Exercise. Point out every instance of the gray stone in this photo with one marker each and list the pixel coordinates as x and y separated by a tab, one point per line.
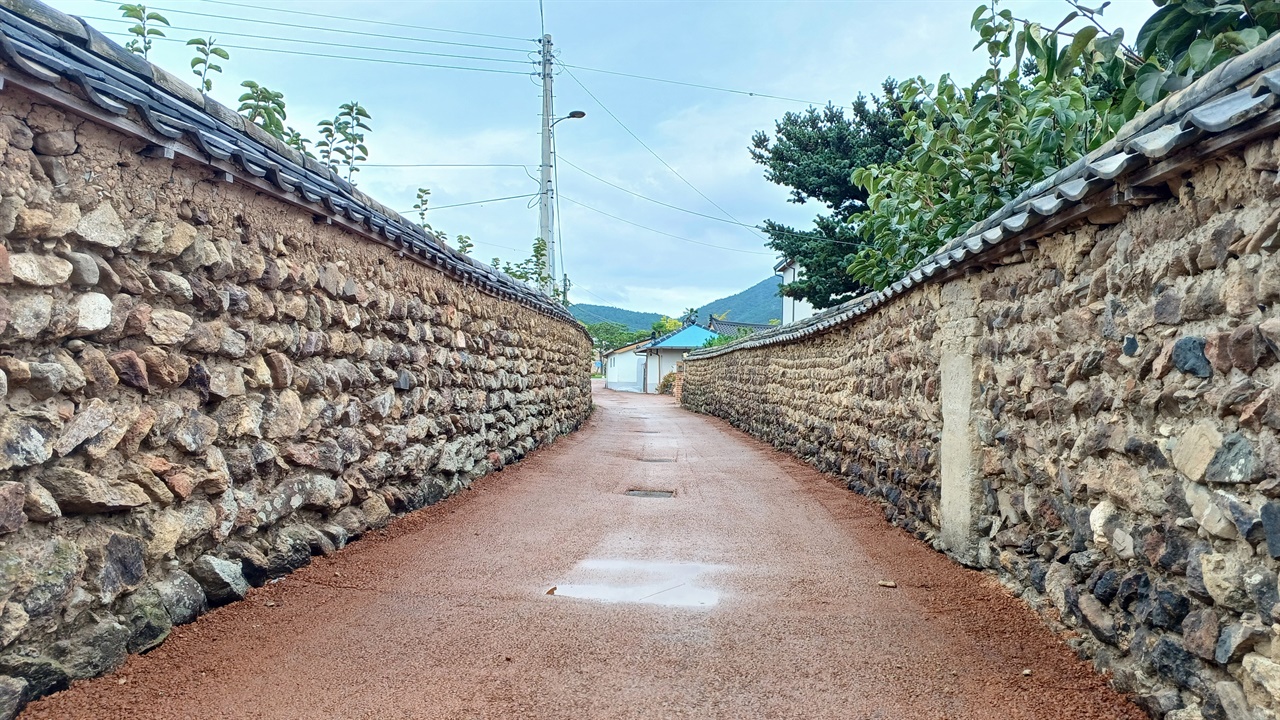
147	618
1097	619
98	650
47	379
93	313
12	696
39	270
1234	462
12	496
168	327
79	492
94	417
182	597
1271	524
40	674
1237	639
84	268
39	504
102	227
196	432
115	561
1260	583
1207	507
223	580
1189	357
30	315
54	568
1231	699
375	510
26	438
57	143
1223	579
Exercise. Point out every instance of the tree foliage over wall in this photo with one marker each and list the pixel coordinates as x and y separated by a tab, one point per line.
1050	94
814	154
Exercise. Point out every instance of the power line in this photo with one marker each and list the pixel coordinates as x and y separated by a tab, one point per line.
694	212
382	61
380	36
697	85
362	20
441	165
474	202
660	232
651	150
645	197
327	44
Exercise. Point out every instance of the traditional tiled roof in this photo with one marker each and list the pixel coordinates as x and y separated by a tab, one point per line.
1235	103
690	336
729	327
68	63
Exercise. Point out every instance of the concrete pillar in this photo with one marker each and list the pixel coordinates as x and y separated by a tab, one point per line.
961	487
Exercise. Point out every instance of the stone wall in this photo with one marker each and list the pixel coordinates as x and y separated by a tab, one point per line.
1093	416
202	385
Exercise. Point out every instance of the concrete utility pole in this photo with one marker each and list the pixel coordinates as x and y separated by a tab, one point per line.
546	193
544	198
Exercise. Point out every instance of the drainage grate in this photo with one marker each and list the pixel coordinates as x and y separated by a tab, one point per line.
657	459
652	493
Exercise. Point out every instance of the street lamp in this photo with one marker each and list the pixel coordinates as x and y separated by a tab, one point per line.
544	202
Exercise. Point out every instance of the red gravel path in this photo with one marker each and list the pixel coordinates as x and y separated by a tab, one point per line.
445	615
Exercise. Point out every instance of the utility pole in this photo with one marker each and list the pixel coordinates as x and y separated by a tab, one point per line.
544	197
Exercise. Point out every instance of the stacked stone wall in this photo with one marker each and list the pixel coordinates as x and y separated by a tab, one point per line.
202	386
861	402
1117	416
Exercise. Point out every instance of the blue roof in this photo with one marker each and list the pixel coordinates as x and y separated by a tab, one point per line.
685	338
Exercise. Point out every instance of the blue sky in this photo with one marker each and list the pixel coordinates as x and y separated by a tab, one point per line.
811	51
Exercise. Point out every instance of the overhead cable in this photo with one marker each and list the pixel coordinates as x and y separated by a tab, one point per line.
344	31
693	212
660	232
433	208
363	20
703	87
348	46
383	61
653	153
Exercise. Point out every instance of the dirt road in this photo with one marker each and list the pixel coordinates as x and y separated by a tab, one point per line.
751	593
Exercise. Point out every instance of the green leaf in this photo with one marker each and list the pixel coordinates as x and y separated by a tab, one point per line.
1199	53
1149	83
220	53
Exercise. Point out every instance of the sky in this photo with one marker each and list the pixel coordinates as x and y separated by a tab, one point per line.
697	139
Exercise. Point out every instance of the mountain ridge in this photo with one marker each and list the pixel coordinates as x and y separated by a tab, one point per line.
759	303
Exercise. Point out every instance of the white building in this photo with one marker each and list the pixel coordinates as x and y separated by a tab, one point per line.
792	308
662	355
624	367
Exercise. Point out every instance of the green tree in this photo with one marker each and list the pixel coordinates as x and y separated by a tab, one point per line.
607	336
666	325
814	153
142	30
533	269
974	147
464	244
689	316
1186	38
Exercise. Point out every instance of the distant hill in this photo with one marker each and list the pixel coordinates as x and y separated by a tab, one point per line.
591	314
759	303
